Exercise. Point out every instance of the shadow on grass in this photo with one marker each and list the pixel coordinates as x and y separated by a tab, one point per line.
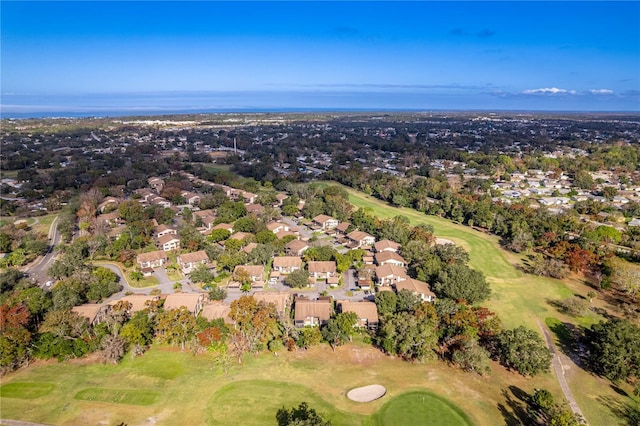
569	337
516	410
627	411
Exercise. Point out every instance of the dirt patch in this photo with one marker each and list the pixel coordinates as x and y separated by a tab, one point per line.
443	241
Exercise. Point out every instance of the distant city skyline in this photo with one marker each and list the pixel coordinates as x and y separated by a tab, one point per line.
88	57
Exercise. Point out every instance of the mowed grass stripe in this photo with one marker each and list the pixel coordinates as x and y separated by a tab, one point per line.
25	390
119	396
421	408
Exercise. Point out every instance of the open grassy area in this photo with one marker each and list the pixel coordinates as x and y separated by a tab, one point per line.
119	396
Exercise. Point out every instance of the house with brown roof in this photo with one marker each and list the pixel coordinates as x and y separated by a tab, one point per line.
241	236
217	309
156	184
108	203
205	213
387	245
281	300
390	258
94	313
325	222
312	313
256	274
249	247
192	301
256	209
296	247
192	198
286	264
189	261
226	226
390	274
169	242
418	288
162	230
276	227
138	302
111	219
343	227
360	239
153	259
322	269
367	312
249	197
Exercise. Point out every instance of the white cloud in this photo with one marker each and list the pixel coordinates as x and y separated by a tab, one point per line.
601	92
549	91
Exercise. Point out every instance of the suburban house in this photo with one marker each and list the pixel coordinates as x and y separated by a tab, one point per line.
342	227
418	288
249	247
249	197
256	274
312	313
281	300
108	203
325	222
276	227
386	245
95	313
162	230
390	258
390	274
217	309
156	184
208	222
153	259
286	264
322	269
224	226
360	239
189	261
296	247
191	197
240	236
169	242
111	219
137	302
367	312
192	301
256	209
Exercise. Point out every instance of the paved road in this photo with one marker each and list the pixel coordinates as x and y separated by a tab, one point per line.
38	270
559	370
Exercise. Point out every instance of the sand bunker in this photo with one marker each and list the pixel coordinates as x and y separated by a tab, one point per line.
443	241
366	393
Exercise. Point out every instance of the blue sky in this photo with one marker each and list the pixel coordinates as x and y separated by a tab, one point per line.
378	55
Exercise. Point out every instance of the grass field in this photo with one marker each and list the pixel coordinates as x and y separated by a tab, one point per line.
194	390
420	408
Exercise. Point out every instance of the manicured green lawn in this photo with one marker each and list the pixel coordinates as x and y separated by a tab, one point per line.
119	396
25	390
421	408
256	402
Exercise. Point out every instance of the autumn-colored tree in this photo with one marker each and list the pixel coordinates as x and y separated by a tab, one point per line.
255	322
175	326
15	337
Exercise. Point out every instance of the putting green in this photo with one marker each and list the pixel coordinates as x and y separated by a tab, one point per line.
421	408
25	390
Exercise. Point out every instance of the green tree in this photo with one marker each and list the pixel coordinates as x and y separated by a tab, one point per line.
614	349
302	415
217	293
297	279
386	302
410	336
523	350
460	282
472	357
201	274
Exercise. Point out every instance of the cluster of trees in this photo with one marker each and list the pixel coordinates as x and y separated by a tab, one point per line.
453	331
21	244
